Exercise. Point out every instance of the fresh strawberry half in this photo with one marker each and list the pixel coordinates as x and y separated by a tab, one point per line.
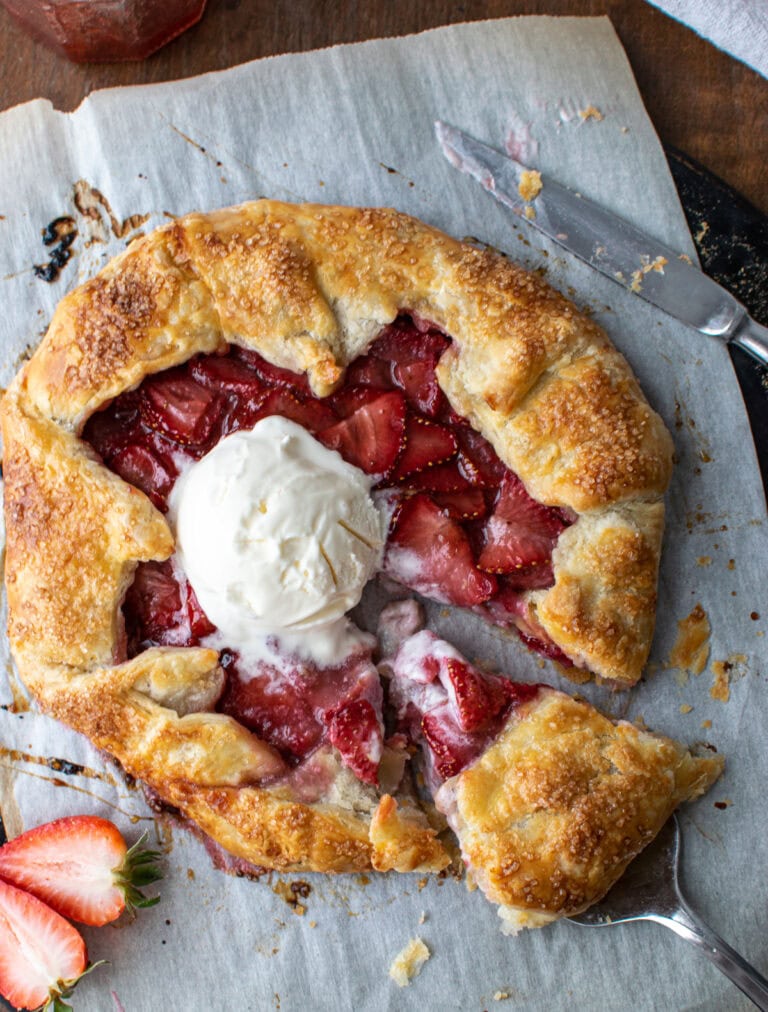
180	407
355	730
520	532
371	437
82	868
42	956
430	553
426	444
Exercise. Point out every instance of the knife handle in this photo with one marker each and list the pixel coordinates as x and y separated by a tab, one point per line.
752	337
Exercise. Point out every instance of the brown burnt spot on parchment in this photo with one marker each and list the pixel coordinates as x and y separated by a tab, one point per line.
684	420
17	762
94	207
691	648
58	235
293	893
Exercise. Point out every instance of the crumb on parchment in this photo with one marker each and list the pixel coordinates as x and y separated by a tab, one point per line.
591	112
530	185
501	996
529	213
685	708
408	963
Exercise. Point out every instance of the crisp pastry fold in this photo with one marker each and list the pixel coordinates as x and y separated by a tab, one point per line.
309	288
552	813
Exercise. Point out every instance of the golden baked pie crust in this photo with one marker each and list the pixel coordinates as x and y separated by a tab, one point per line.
309	287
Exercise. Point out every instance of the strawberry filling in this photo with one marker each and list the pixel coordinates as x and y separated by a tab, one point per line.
464	530
450	708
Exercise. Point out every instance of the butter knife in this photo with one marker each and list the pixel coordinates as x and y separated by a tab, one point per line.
658	274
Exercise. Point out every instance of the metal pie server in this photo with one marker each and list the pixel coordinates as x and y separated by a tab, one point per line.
611	245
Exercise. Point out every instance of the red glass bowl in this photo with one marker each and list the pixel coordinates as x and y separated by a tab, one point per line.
94	31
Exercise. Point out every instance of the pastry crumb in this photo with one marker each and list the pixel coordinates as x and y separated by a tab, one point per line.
529	213
685	258
685	708
591	112
691	649
313	924
706	724
407	964
625	130
423	917
704	560
422	883
530	184
501	996
646	267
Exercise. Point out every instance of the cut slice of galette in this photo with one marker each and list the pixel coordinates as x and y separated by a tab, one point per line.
550	800
243	418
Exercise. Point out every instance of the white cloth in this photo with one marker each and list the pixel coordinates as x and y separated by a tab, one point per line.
738	26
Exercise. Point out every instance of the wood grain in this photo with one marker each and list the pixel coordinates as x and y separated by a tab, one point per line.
700	99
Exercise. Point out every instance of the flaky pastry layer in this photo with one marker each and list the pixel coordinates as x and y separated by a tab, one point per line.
552	813
308	287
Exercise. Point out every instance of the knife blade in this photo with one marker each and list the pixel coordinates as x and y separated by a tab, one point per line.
658	274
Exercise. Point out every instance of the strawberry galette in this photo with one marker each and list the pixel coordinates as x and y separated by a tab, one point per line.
250	414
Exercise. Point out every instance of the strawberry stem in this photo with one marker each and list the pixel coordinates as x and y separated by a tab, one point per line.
139	869
64	989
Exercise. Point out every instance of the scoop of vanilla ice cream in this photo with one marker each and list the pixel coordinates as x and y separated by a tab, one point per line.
275	532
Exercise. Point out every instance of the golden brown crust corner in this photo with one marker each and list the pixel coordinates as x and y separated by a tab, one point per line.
309	287
552	813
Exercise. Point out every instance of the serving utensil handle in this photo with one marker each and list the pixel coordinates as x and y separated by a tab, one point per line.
752	337
685	923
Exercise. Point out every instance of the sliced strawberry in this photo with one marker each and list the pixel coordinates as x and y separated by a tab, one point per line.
82	868
42	956
451	749
537	577
311	413
426	444
430	553
372	436
478	459
521	532
273	375
112	429
356	732
440	478
153	603
477	698
180	407
547	648
222	372
467	505
419	381
370	371
275	709
140	467
199	623
403	342
350	397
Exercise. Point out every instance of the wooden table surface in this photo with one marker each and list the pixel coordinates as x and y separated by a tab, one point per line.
700	99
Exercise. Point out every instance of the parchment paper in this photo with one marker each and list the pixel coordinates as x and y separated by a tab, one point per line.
354	125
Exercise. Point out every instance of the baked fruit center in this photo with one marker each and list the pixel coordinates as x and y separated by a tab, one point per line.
460	528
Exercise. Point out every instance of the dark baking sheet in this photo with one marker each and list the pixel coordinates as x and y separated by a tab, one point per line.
731	238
